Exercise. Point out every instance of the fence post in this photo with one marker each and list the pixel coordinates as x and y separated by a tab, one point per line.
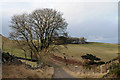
105	67
99	68
94	69
112	64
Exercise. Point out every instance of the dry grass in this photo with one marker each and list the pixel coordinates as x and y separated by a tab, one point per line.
81	75
19	71
104	51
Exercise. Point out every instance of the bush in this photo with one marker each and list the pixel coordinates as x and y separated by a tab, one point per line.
115	69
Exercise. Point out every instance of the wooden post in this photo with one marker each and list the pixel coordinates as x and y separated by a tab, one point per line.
94	69
87	71
105	67
99	68
112	64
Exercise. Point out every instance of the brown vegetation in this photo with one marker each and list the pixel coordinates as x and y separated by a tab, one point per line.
14	68
68	61
20	71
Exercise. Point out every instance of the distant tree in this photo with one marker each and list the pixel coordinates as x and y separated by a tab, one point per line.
61	40
36	30
92	59
83	40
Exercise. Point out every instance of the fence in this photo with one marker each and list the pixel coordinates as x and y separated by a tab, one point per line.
104	68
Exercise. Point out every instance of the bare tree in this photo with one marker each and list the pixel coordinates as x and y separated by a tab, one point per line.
38	29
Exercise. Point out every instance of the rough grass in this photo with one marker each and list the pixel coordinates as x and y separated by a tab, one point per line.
15	71
105	51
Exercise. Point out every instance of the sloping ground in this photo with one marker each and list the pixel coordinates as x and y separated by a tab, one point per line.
3	40
14	68
20	71
68	61
0	42
11	47
105	51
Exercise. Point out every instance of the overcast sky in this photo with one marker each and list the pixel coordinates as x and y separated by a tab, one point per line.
96	20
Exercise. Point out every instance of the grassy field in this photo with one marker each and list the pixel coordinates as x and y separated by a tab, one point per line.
105	51
11	47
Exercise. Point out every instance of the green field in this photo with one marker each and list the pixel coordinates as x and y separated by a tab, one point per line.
11	47
105	51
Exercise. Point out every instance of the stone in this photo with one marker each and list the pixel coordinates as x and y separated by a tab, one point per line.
7	58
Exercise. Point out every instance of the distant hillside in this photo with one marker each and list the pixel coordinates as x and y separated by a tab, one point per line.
10	46
0	41
3	37
3	40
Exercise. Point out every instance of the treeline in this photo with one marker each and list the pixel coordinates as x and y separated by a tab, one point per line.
69	40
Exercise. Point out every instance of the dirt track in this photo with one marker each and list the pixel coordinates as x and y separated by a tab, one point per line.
58	71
